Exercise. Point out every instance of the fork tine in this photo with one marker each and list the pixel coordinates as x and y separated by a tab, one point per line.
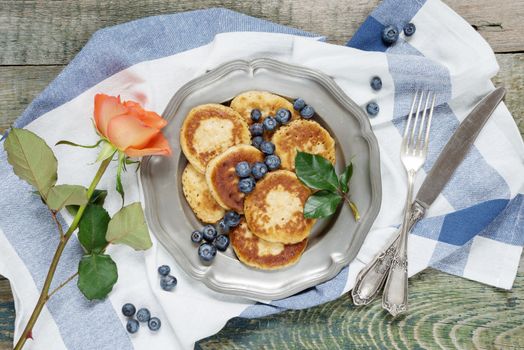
419	145
412	141
408	124
426	138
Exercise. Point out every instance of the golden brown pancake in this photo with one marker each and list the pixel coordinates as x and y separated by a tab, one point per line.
275	209
199	197
222	179
303	135
262	254
209	130
266	102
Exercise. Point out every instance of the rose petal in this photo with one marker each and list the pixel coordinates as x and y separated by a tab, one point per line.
106	108
126	131
158	146
151	119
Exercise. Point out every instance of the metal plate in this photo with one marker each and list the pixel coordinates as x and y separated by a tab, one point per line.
334	242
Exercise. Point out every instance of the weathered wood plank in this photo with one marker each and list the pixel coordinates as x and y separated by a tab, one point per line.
7	315
20	84
52	32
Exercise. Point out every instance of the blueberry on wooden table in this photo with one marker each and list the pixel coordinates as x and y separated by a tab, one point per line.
270	123
232	218
259	170
376	83
154	324
255	115
209	232
298	104
409	29
128	309
243	169
246	185
390	35
372	108
132	326
207	252
164	270
196	236
257	140
267	147
222	242
143	315
168	282
307	112
272	161
256	129
283	116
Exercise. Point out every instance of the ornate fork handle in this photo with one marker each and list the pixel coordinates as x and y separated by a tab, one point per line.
371	279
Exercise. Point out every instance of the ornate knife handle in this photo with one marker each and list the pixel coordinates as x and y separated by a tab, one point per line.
371	279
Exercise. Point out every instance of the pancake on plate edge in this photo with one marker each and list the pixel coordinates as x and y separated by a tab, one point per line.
266	102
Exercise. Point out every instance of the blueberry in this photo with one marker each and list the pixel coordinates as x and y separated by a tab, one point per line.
307	112
128	309
223	227
143	315
409	29
222	242
196	236
376	83
168	282
272	161
267	147
259	170
257	140
207	251
154	324
298	104
164	270
270	123
372	108
256	129
390	35
132	326
246	185
283	116
243	169
209	232
232	218
255	115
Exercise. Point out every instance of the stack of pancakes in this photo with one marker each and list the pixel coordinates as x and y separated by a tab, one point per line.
214	138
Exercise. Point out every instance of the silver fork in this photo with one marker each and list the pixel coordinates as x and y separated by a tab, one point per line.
413	153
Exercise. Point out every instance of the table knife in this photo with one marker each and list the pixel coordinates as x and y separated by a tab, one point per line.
371	279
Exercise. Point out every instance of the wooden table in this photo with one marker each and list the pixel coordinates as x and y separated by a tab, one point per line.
37	38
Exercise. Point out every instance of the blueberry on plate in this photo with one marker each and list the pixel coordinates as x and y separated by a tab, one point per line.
409	29
168	282
154	324
223	227
196	236
372	108
390	35
255	115
267	147
272	161
143	315
164	270
259	170
132	326
283	116
298	104
232	218
209	232
307	112
256	129
243	169
270	123
207	251
246	185
256	141
128	309
222	242
376	83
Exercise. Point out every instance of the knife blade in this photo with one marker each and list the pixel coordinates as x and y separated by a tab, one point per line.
371	278
457	147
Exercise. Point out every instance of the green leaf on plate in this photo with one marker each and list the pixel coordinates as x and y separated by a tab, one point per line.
321	204
62	195
93	228
32	159
129	227
316	171
97	274
98	198
345	177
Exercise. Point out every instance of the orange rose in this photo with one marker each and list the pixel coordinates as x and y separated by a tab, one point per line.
129	127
